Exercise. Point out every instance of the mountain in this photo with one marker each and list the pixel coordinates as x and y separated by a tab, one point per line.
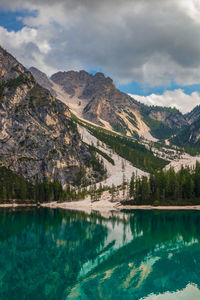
43	80
38	139
194	115
189	137
96	99
105	105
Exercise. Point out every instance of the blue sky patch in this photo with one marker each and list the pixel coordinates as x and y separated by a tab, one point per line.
139	89
13	20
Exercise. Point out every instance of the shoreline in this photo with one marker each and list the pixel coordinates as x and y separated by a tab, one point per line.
116	206
105	205
17	205
166	207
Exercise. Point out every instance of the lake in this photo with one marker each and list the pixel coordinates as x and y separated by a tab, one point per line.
58	254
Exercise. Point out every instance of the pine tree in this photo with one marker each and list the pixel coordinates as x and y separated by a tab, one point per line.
132	186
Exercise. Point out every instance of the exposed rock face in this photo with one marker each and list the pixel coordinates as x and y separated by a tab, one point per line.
190	135
9	67
96	99
98	90
70	81
104	102
43	80
37	137
194	138
171	117
193	115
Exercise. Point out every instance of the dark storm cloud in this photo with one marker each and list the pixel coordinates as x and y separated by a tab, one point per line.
148	41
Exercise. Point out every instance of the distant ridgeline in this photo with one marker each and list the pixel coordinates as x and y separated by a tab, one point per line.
160	129
188	138
167	187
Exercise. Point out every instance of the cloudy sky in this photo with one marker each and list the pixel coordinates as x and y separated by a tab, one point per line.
151	48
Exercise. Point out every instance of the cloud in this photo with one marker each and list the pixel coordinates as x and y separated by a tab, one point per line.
176	98
151	42
27	47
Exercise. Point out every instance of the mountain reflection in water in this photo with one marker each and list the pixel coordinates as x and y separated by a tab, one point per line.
57	254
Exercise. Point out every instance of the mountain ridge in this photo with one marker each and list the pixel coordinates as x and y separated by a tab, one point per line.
38	139
96	99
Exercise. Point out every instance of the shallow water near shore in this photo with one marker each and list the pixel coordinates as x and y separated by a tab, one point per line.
60	254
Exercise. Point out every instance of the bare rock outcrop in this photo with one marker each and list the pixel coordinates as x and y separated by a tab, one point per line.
38	139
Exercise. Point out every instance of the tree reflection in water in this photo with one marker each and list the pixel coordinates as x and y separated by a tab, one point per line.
57	254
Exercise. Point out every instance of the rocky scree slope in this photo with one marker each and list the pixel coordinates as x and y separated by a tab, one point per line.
38	139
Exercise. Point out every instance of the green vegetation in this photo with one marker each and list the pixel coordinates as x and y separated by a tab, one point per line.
2	85
14	82
126	147
192	150
131	117
186	138
132	121
182	139
103	154
97	165
131	114
14	187
120	126
147	109
158	128
167	188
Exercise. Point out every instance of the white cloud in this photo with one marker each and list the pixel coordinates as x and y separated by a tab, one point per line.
18	39
192	8
176	98
27	46
148	41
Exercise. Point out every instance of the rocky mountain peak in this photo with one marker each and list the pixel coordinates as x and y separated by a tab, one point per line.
10	68
96	99
38	139
72	80
101	77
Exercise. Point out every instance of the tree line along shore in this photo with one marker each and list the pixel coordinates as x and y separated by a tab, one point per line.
159	188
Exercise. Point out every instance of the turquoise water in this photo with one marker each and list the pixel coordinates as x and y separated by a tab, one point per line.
57	254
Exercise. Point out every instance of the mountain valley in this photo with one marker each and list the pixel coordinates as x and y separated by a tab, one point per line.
78	129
